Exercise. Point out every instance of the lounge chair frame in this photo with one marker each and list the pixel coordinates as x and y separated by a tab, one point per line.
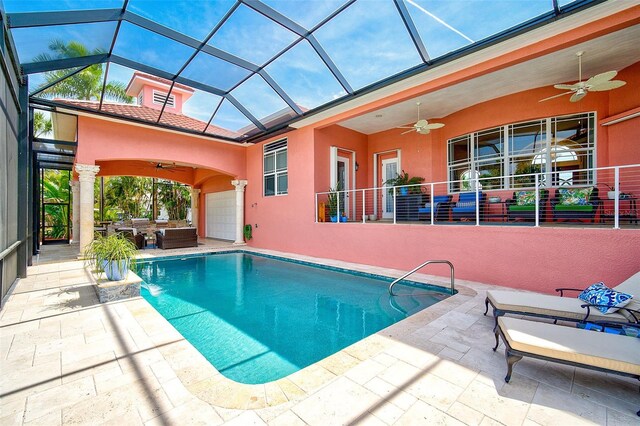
513	356
500	312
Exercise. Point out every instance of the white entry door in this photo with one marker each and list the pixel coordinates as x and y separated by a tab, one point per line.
221	215
389	170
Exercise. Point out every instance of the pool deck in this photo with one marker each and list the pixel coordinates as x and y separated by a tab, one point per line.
67	359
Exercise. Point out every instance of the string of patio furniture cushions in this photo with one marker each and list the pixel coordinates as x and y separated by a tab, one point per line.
610	300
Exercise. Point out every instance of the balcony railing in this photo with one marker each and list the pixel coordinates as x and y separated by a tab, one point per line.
604	197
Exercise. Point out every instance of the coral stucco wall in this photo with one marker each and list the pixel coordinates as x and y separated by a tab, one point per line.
522	257
105	140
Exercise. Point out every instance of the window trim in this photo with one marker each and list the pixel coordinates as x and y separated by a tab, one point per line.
506	157
276	173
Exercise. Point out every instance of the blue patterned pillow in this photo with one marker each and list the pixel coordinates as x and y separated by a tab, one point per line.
590	291
600	294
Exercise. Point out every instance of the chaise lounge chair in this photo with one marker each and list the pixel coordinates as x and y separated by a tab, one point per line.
610	353
563	308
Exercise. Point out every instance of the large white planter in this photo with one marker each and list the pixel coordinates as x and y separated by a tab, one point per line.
116	271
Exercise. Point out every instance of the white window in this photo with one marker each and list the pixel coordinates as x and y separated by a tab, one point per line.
140	99
275	168
558	148
160	97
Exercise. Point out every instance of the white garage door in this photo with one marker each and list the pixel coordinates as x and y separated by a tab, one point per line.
221	215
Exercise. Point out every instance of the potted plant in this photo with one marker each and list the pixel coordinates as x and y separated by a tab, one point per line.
332	201
113	255
403	180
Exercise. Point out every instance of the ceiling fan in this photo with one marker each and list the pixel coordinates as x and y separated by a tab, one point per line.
598	83
421	126
165	166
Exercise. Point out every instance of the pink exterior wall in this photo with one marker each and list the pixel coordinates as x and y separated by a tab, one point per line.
340	137
101	140
146	169
522	257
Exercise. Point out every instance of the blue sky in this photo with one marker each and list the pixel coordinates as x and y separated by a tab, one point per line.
367	42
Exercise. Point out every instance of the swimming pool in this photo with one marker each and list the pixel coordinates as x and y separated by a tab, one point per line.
258	318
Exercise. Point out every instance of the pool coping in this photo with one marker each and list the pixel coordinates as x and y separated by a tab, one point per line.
206	383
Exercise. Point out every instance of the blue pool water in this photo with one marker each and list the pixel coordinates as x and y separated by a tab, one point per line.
257	319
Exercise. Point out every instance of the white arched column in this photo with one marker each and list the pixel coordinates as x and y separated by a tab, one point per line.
86	176
195	203
239	184
75	211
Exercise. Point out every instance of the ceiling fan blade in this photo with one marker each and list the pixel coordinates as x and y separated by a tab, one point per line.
424	131
405	127
432	126
555	96
601	78
421	123
577	96
607	85
408	131
567	86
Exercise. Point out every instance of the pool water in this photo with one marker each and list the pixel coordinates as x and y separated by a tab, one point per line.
257	319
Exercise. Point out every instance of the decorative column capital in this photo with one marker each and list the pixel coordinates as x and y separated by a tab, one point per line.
195	191
87	172
239	184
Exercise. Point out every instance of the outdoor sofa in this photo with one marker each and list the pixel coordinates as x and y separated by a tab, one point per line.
465	207
441	207
609	353
523	205
575	204
169	238
564	308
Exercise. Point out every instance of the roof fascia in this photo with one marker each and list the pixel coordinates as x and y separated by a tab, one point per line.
68	17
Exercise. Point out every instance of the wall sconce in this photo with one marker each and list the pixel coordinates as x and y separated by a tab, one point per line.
357	166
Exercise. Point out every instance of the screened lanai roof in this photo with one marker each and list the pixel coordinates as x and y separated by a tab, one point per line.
255	66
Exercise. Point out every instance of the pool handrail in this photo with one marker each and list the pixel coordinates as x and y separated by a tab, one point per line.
422	266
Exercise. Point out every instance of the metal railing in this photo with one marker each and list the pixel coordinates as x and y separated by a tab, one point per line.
612	198
428	262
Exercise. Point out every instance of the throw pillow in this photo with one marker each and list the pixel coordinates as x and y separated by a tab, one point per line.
573	197
590	291
611	300
525	198
600	294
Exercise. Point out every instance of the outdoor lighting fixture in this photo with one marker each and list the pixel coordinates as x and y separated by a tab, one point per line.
357	166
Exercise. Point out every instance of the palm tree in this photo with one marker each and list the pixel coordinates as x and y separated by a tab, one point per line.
129	194
42	125
85	85
175	198
55	189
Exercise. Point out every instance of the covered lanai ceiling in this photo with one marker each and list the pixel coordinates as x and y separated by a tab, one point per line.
255	66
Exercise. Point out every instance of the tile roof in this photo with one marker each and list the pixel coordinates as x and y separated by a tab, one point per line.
159	80
151	115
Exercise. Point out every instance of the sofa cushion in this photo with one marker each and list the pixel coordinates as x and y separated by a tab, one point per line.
573	197
526	208
574	208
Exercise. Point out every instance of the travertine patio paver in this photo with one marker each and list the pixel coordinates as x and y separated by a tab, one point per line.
68	360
